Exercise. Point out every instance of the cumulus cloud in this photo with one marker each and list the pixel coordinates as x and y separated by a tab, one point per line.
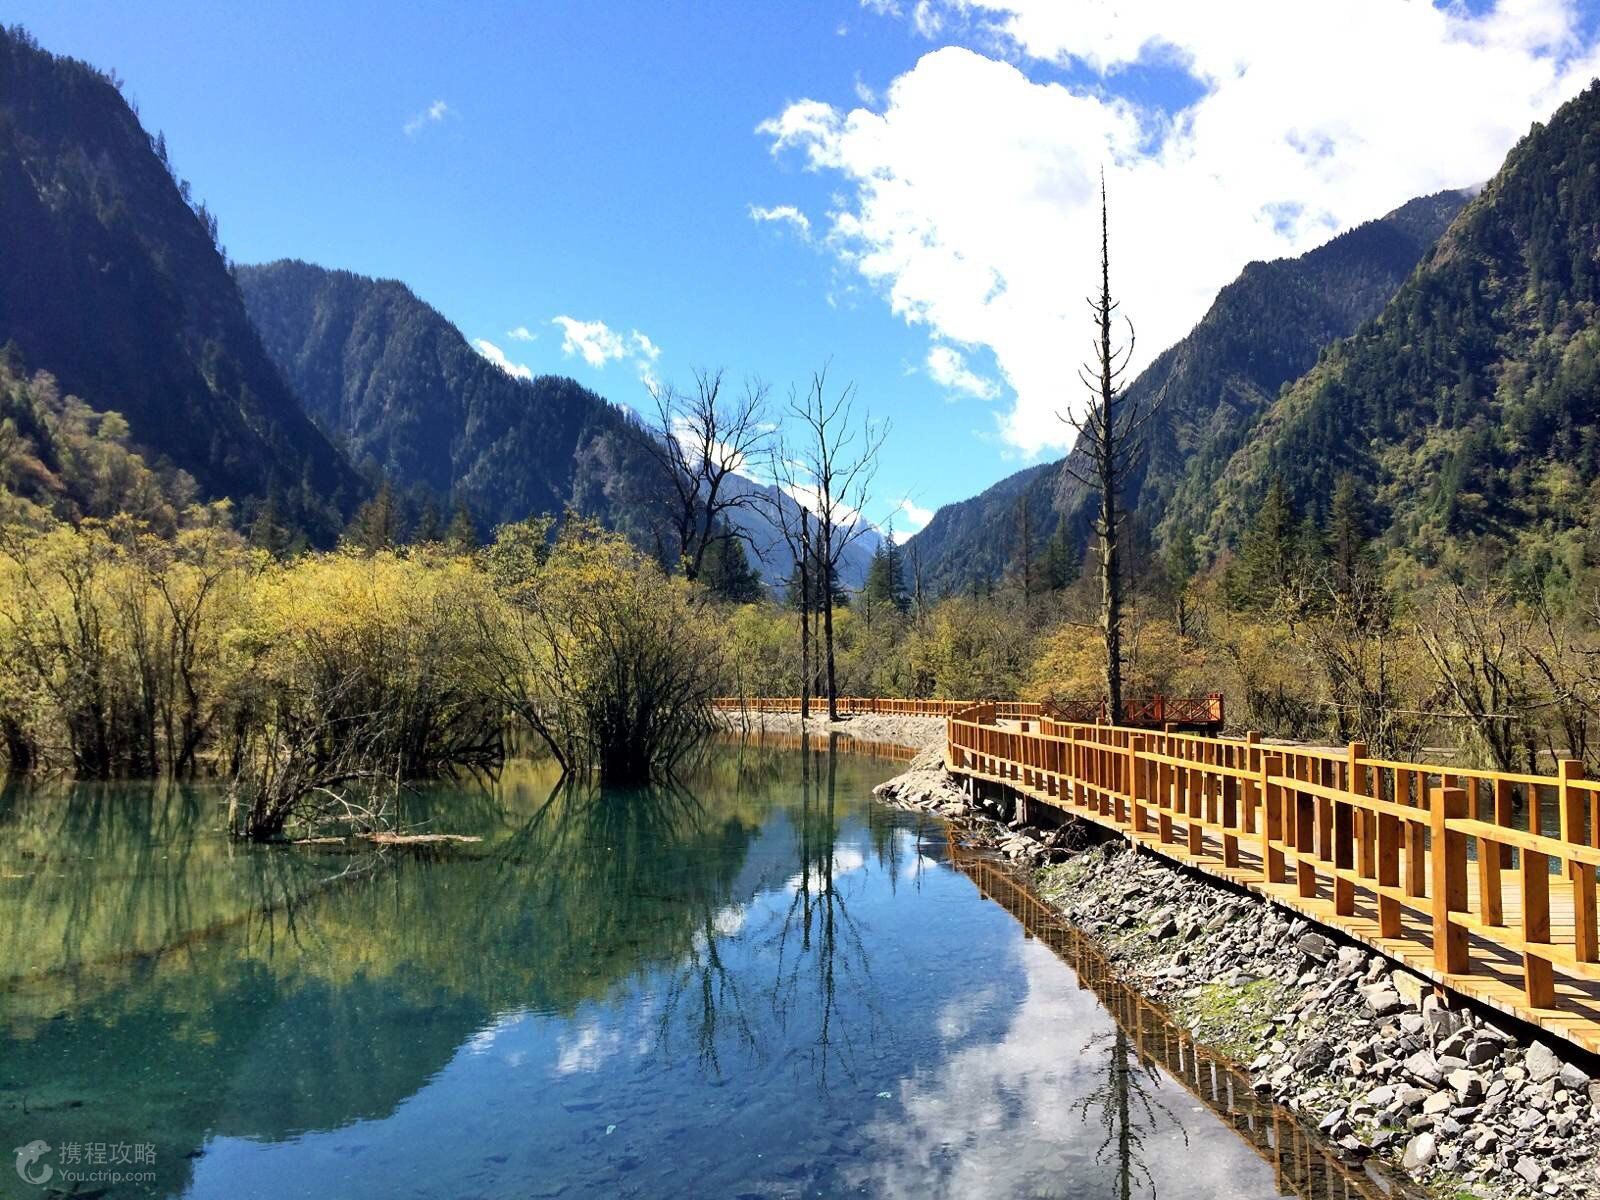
521	334
593	341
598	344
498	357
970	201
947	367
908	518
782	214
432	115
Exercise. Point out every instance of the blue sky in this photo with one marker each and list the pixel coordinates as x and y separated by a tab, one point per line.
600	162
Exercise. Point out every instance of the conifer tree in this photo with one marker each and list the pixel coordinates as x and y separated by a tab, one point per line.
462	536
886	586
376	525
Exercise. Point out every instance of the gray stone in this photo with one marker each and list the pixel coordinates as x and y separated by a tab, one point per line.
1422	1067
1530	1170
1466	1084
1412	1096
1572	1078
1439	1102
1479	1052
1541	1063
1380	998
1527	1119
1441	1022
1420	1151
1314	945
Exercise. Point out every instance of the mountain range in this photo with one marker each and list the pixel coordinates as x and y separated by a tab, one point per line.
286	384
1444	357
1263	331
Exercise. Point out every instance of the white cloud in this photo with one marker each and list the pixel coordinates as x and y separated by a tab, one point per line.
498	357
909	518
971	199
522	334
595	341
597	344
947	367
782	214
432	115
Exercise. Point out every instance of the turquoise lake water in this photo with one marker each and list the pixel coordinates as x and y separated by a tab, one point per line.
758	984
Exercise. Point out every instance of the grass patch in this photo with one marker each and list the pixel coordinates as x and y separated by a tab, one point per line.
1232	1018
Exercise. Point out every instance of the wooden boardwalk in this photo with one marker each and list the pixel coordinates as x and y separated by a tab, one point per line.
1482	882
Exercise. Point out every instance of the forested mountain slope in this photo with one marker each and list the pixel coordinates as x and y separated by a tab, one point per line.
113	283
1469	411
400	388
1264	330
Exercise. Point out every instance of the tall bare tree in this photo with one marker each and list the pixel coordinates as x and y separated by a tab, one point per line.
830	472
793	523
1109	446
701	439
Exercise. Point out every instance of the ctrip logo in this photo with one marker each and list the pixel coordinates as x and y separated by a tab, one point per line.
29	1168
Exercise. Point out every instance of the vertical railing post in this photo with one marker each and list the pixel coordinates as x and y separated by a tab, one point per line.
1361	777
1305	828
1504	814
1231	804
1538	974
1389	838
1136	781
1449	852
1252	790
1344	835
1272	864
1585	943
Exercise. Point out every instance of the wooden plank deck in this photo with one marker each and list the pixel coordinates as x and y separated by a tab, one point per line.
1495	974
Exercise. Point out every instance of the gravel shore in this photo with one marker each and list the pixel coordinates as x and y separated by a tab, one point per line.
916	733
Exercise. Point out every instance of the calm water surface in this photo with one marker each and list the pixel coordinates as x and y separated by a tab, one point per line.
761	984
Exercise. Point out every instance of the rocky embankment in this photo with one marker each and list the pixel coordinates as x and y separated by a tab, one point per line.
917	733
1457	1098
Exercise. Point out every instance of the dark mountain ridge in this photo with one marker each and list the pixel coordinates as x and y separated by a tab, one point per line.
391	380
115	285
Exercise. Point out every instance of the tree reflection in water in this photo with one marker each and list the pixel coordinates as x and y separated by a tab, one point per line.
1127	1110
818	941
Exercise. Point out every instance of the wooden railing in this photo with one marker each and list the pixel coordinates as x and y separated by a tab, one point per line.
1145	712
1488	878
856	706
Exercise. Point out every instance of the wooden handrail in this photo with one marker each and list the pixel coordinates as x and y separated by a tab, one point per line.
1325	825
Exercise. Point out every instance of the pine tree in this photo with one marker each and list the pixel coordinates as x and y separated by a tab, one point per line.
462	536
430	525
886	585
725	571
1179	565
1347	534
268	531
1267	557
376	525
1022	553
1061	565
